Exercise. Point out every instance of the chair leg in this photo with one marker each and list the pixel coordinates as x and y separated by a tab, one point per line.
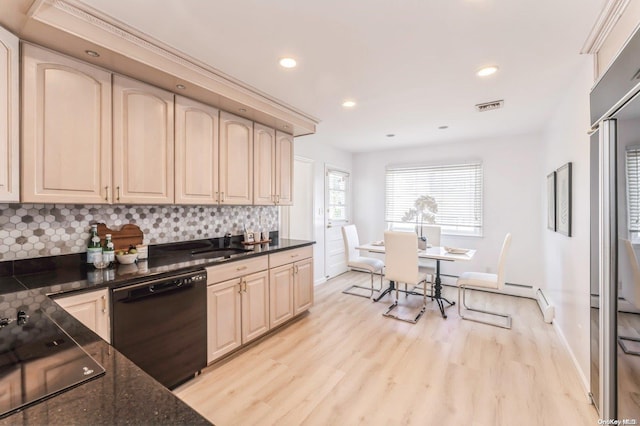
370	288
394	305
462	289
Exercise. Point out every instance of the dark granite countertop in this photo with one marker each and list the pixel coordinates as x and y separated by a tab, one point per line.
124	394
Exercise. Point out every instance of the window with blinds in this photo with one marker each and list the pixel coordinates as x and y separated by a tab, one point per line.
633	191
457	189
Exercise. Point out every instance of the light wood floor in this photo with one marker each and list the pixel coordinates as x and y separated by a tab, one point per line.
345	364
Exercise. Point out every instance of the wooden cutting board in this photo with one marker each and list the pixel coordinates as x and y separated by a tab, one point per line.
128	235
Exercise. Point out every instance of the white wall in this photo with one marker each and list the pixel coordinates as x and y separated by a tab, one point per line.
323	155
566	259
512	199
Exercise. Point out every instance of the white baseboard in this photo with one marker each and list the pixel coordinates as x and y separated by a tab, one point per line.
574	360
320	281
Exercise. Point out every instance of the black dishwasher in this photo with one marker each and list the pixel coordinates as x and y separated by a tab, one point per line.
161	325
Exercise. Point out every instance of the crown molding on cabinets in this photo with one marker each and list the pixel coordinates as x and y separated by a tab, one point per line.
605	23
72	27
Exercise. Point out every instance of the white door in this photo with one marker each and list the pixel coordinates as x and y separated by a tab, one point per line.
337	214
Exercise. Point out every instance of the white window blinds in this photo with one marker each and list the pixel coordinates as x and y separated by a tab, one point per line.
633	188
456	188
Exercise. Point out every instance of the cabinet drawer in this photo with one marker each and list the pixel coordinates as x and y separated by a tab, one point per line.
289	256
227	271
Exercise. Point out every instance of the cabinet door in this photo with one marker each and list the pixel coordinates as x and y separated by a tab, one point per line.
66	133
281	294
236	160
91	309
142	143
255	306
9	118
196	153
223	318
284	169
264	150
303	285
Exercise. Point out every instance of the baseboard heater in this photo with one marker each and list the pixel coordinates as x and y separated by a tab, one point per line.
548	312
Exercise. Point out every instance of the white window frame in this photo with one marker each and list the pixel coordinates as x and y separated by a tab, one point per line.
632	175
440	181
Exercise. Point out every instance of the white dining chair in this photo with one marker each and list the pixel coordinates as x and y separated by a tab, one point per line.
362	263
433	233
401	266
483	280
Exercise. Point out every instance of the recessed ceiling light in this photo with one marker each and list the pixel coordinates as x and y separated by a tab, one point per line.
181	86
390	135
288	62
443	127
349	104
92	53
486	71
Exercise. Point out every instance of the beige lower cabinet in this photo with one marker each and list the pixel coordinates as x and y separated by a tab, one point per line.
237	308
91	309
290	284
281	294
302	285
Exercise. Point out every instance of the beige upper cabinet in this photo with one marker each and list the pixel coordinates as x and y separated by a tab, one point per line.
236	160
264	152
66	129
143	144
196	152
284	169
9	117
273	166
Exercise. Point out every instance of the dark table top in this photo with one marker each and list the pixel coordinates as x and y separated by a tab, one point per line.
124	394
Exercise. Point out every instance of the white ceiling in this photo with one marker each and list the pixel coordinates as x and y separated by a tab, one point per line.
409	64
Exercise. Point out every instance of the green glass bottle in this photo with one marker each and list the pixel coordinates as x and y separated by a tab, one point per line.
94	249
108	252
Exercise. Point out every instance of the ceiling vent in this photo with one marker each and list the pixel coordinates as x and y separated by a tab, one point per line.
488	106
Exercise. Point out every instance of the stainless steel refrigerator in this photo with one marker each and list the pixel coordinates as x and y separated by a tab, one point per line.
615	237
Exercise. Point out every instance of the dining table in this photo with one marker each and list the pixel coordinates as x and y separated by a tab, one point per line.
437	253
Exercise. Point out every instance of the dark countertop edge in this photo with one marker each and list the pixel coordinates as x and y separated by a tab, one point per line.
166	269
86	337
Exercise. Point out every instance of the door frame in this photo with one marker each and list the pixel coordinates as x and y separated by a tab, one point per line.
349	200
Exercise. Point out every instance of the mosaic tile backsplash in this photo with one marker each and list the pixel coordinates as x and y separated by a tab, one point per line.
36	230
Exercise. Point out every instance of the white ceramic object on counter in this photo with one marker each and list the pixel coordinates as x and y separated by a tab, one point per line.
143	251
126	259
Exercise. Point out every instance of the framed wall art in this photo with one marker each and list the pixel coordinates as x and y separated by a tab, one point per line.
551	201
563	199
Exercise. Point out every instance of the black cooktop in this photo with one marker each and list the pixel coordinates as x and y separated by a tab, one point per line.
38	360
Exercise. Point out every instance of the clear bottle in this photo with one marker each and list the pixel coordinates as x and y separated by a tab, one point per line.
94	249
108	252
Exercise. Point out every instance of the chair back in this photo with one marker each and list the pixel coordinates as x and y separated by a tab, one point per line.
401	257
634	297
432	232
351	241
503	259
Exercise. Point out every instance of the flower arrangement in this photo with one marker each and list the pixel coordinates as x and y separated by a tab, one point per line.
424	211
